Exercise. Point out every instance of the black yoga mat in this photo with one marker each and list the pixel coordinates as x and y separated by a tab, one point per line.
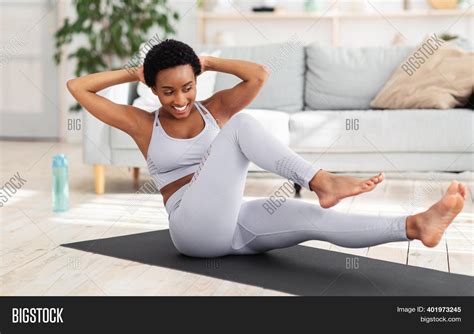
297	270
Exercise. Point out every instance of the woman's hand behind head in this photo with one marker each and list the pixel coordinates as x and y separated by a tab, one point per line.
139	74
203	61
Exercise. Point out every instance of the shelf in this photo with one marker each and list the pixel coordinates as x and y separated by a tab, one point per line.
410	13
278	15
334	17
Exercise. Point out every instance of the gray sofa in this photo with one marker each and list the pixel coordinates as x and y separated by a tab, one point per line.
317	102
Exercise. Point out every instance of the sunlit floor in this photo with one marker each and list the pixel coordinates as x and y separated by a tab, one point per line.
33	263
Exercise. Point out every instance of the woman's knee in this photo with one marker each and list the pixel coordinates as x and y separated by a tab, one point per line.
240	123
242	119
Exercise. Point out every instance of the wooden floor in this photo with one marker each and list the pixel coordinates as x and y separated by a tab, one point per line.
33	263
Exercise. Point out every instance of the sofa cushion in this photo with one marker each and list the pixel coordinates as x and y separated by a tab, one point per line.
285	87
417	130
348	78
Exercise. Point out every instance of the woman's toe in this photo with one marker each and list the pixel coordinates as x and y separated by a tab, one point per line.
462	190
379	178
368	184
453	187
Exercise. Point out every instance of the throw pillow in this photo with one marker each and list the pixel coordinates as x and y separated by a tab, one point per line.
443	79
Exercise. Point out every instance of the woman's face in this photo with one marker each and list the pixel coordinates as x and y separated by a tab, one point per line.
176	90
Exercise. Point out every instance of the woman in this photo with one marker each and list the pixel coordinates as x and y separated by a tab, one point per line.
198	153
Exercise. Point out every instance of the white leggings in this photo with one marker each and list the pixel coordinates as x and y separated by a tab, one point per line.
209	218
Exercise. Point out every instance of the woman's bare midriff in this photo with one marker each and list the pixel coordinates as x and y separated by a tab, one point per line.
171	188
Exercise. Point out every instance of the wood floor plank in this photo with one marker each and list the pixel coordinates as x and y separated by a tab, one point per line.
87	288
274	293
203	286
178	285
432	258
397	254
461	262
35	277
397	195
229	288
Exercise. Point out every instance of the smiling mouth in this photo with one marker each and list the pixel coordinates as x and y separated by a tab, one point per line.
180	109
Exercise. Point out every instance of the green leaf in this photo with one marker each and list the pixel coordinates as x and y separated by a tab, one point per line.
112	29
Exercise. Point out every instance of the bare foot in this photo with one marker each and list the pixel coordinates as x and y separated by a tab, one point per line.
332	188
430	225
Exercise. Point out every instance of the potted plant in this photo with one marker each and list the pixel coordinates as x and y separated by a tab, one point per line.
113	31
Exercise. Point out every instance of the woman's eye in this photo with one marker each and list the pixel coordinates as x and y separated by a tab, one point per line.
187	89
168	93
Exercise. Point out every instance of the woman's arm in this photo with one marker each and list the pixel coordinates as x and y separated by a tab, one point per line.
226	103
124	117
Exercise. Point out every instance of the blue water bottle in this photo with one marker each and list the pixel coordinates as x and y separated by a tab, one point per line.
60	183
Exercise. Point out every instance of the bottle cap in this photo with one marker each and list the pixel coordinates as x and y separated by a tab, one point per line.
60	160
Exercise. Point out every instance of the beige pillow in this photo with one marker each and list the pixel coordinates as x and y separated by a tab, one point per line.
445	80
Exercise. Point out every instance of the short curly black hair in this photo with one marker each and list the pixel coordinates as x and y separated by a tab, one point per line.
168	53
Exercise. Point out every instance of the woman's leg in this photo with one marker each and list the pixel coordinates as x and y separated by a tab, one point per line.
206	219
259	229
212	220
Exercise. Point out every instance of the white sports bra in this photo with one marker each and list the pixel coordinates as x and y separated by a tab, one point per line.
170	159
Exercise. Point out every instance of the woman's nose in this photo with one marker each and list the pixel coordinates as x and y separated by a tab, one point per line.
180	100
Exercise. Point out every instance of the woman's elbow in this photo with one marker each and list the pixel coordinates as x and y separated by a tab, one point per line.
71	85
263	74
